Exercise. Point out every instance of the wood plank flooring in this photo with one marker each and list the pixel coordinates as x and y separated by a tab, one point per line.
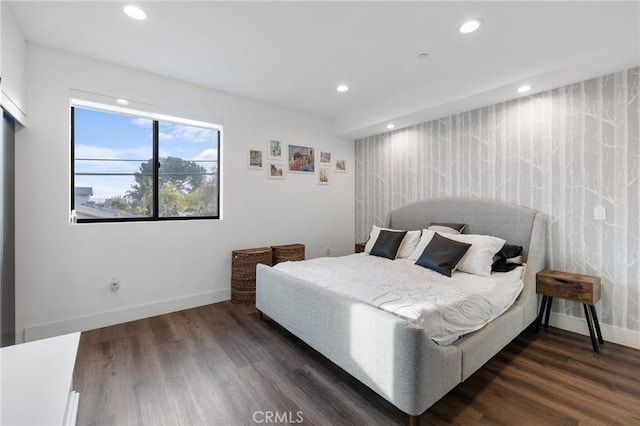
220	365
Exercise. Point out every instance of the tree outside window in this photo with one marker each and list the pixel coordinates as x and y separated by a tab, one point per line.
134	168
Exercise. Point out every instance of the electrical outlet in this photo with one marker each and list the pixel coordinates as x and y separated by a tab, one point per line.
114	282
599	213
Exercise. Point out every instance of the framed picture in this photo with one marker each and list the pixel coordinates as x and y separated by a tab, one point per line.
301	159
323	175
255	159
341	166
325	158
275	170
274	151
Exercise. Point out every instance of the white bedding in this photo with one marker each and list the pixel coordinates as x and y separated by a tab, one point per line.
446	308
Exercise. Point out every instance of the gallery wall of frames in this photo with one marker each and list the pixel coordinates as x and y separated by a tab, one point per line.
280	159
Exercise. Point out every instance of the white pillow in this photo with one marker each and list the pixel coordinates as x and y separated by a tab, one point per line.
425	239
479	258
409	242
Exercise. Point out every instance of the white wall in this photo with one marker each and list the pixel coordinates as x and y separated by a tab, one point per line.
62	270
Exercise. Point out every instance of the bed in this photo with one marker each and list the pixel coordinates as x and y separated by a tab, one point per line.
388	353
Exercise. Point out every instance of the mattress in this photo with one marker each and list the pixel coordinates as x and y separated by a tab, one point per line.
445	307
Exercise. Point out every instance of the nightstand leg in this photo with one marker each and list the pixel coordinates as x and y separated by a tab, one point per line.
548	314
596	323
540	314
594	342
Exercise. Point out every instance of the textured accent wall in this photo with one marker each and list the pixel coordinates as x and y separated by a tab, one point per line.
562	152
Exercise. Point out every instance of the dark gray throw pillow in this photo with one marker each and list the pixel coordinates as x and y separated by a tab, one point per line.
442	254
501	265
509	250
503	259
387	244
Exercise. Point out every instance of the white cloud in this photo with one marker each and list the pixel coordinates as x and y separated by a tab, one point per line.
210	154
88	151
142	122
189	134
99	154
173	131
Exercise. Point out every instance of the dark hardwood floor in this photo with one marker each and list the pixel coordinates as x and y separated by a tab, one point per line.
221	365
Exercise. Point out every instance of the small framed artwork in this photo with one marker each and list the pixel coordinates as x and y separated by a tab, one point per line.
275	170
301	159
341	166
274	151
325	158
323	175
255	159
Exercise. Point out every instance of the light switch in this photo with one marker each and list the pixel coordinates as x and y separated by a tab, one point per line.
599	213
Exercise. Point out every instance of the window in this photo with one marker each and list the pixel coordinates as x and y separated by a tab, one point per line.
132	168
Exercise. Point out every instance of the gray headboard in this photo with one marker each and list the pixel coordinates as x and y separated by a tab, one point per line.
515	224
488	217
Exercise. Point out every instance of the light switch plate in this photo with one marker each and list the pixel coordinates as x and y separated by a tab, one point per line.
599	213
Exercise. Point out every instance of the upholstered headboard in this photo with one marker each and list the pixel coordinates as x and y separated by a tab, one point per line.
515	224
488	217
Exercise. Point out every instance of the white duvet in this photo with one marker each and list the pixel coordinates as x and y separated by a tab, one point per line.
446	308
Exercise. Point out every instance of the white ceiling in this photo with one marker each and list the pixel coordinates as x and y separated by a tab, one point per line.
294	54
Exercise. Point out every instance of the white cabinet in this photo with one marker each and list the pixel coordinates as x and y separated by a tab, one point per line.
12	66
37	382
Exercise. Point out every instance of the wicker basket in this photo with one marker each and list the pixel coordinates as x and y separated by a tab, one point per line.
287	252
243	273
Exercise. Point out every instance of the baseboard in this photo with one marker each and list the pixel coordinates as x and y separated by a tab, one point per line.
118	316
621	336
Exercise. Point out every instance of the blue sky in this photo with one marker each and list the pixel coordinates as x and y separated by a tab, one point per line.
106	136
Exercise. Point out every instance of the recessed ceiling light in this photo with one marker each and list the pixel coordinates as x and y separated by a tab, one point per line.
423	55
390	126
342	88
470	26
524	88
134	12
122	101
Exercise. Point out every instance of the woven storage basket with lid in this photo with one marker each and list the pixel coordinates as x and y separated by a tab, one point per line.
243	273
287	252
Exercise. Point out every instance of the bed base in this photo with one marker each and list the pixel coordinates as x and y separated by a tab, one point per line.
390	355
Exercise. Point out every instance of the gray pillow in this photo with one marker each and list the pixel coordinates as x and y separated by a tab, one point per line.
442	254
455	226
388	243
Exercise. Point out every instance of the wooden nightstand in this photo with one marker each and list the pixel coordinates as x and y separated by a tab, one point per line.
577	288
360	247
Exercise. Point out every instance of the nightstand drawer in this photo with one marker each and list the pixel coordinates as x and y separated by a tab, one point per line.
574	287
